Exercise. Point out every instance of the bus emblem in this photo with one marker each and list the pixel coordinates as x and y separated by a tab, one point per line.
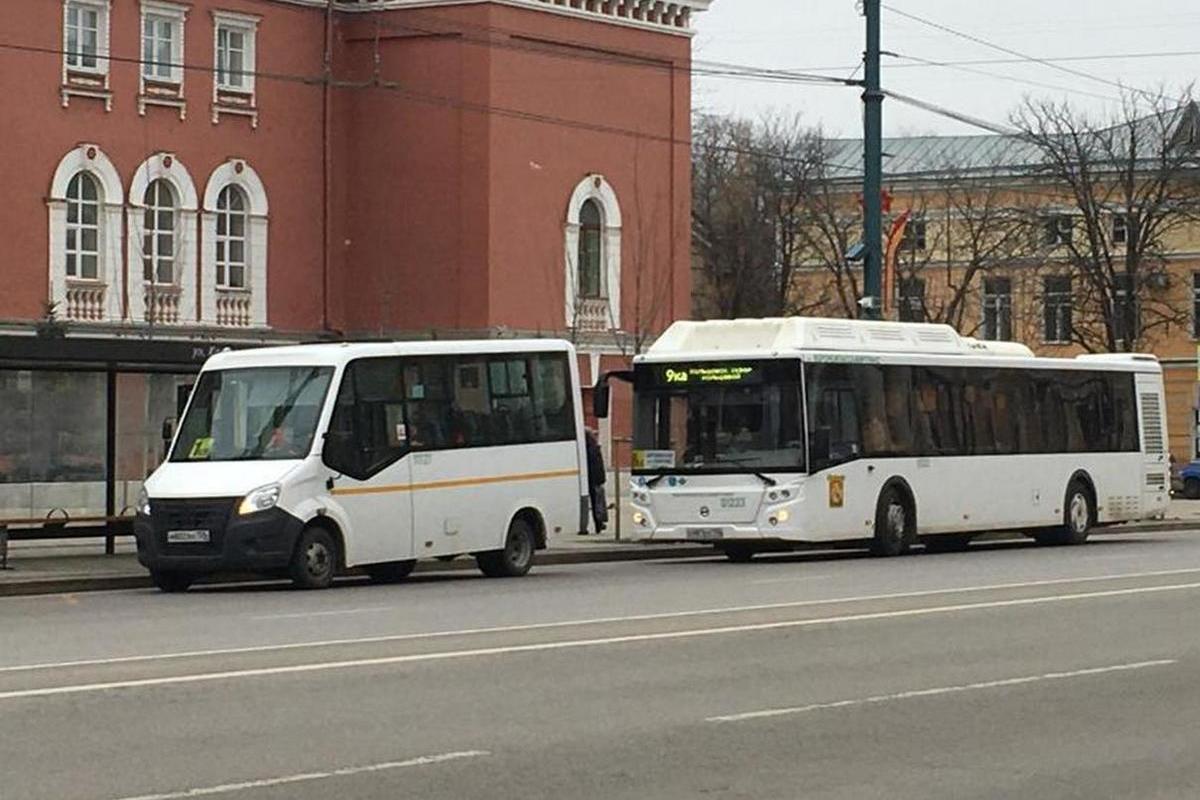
837	491
704	511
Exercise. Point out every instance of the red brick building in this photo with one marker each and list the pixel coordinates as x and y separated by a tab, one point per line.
183	176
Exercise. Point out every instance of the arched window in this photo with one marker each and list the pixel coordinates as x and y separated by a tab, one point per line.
592	238
158	239
591	243
83	227
231	238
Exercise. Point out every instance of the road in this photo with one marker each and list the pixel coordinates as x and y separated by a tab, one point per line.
1008	671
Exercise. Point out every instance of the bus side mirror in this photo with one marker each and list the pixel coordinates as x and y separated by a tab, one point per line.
600	397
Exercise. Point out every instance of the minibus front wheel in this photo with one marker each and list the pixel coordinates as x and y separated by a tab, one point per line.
314	560
171	581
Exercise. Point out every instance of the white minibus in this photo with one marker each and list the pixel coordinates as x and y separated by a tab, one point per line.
758	435
306	460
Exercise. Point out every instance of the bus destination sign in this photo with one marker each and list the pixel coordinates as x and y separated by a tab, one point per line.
692	374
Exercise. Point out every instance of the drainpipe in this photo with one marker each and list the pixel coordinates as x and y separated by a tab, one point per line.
327	167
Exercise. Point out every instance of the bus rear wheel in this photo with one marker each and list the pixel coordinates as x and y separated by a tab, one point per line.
895	523
1079	515
515	559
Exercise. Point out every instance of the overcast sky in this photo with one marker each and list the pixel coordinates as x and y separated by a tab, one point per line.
811	34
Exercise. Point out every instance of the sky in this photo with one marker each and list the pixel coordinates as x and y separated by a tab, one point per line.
827	36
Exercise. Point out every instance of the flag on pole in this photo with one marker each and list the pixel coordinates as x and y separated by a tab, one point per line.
895	236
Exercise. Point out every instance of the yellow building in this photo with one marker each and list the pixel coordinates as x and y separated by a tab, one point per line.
1002	245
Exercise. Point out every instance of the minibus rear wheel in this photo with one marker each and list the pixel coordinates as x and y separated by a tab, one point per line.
315	559
517	556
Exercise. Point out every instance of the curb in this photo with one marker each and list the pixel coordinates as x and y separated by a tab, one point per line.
78	583
631	552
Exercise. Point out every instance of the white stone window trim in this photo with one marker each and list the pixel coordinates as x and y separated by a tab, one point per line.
236	172
169	168
594	187
226	98
156	90
83	81
91	159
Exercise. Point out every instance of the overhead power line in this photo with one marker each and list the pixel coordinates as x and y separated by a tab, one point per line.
1014	79
1009	51
986	62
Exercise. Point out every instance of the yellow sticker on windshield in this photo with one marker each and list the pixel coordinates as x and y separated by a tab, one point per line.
201	448
837	490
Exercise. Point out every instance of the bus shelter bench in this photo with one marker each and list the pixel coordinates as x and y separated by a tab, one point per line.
20	529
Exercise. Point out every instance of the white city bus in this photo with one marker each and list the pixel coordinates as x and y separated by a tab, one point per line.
756	435
309	459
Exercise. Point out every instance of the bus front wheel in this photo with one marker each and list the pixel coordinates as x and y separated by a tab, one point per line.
738	553
517	556
895	523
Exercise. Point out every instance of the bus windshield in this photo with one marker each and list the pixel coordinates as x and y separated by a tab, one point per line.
260	413
718	417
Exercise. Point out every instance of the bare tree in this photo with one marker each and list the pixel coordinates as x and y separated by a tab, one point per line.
1127	185
749	185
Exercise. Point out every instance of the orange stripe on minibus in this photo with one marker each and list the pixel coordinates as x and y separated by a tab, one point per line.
450	484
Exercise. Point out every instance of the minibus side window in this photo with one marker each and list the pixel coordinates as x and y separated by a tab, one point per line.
368	430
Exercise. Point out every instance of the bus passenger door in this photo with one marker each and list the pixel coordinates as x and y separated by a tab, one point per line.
367	448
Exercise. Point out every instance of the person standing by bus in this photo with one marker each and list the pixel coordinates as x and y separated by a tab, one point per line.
596	478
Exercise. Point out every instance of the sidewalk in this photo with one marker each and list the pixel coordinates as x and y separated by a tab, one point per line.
57	567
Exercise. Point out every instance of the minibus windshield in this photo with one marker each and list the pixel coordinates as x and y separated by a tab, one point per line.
718	417
259	413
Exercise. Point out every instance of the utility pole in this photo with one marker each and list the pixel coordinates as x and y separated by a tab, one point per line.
873	167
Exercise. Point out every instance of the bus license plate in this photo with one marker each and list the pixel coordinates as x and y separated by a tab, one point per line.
705	534
188	537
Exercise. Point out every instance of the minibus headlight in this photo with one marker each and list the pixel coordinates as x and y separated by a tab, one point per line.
639	518
143	503
260	499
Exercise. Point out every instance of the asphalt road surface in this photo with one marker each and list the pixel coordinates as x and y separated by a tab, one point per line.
1010	671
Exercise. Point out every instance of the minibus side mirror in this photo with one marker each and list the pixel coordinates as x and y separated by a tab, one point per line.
340	452
168	430
600	400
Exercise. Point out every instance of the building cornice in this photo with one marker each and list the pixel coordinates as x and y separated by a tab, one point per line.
661	16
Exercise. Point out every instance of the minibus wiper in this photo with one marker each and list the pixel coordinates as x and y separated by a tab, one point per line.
651	481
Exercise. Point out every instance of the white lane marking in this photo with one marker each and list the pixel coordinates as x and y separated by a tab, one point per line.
966	687
306	614
322	666
793	579
302	777
535	626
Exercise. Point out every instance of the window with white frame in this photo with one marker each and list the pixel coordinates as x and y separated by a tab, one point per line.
232	218
1056	309
83	228
86	32
162	42
997	309
158	238
1120	229
591	245
235	54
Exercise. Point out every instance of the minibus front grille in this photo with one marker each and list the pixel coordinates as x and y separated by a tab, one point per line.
210	515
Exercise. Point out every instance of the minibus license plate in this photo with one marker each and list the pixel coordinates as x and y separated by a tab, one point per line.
705	534
188	537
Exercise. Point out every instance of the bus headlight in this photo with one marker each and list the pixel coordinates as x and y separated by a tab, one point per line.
143	503
260	499
783	515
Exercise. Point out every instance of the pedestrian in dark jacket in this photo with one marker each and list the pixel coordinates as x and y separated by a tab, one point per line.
596	477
